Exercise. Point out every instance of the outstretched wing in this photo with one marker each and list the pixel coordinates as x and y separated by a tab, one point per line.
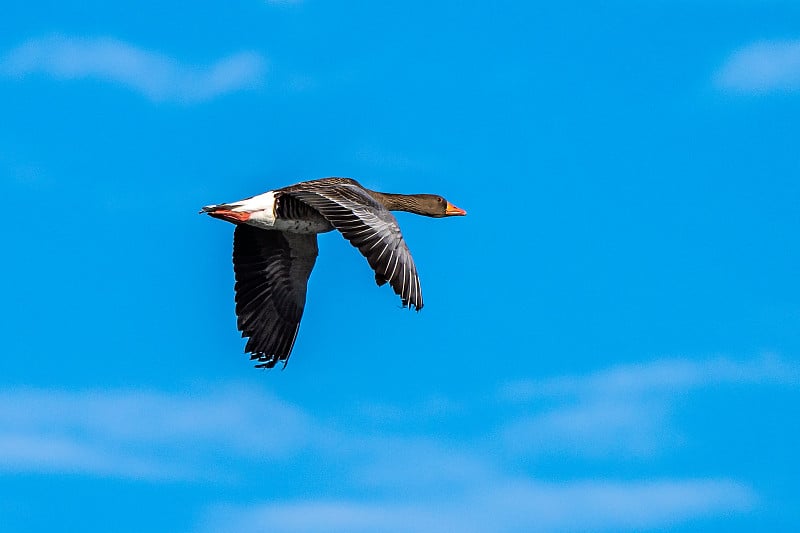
370	227
272	270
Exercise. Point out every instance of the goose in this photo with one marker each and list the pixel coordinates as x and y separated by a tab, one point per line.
275	248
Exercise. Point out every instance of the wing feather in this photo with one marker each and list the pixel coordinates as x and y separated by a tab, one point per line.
272	270
368	226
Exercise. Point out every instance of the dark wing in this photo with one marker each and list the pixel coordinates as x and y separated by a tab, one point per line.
370	227
272	270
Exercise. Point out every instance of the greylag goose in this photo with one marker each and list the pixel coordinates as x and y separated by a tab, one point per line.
275	247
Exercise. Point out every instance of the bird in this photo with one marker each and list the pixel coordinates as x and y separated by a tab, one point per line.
275	248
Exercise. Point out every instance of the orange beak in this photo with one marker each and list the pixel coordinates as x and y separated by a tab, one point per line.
453	211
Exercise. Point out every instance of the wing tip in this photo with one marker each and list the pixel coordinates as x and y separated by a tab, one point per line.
412	305
268	361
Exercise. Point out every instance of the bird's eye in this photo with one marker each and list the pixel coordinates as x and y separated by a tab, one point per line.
440	200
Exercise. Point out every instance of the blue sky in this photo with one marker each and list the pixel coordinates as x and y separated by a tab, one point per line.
610	340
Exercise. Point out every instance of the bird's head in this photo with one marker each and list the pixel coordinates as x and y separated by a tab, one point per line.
433	205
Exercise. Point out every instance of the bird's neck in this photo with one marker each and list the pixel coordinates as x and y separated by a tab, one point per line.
396	202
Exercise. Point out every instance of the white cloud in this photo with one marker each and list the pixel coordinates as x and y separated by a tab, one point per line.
20	452
143	434
158	77
661	376
393	483
501	505
594	428
416	464
390	481
761	67
625	410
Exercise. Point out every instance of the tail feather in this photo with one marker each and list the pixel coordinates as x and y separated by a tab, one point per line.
218	207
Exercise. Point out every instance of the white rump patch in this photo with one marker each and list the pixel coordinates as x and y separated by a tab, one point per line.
261	209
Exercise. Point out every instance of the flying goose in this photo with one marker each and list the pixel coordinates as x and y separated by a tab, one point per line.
275	247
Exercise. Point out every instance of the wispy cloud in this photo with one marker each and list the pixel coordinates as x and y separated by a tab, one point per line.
142	434
594	428
396	480
503	505
157	76
431	408
625	410
664	375
761	67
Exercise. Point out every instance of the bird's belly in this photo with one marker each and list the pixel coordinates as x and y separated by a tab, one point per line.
314	225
